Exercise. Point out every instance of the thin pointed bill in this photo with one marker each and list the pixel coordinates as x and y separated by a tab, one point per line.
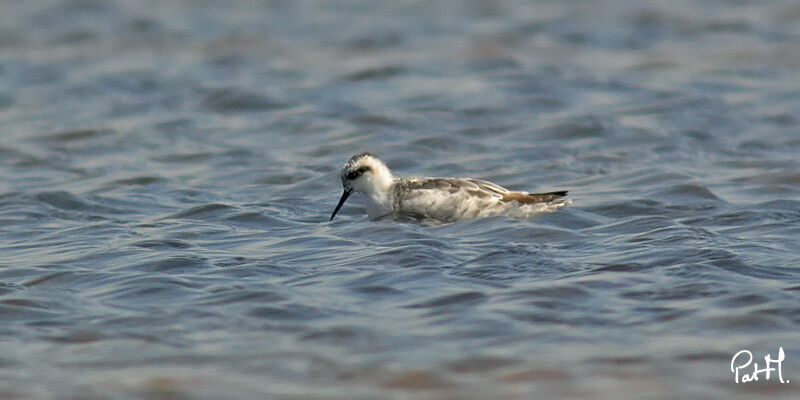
345	195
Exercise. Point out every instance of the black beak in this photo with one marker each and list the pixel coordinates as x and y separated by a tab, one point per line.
341	201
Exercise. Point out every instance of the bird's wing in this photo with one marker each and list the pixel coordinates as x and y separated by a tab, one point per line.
445	198
488	186
520	197
451	187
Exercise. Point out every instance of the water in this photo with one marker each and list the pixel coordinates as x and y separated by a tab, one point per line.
167	170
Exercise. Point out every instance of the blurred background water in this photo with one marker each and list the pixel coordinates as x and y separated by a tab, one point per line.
167	169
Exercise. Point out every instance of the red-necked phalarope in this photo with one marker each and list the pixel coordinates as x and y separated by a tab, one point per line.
437	199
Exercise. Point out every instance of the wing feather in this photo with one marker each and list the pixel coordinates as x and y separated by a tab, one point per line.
445	198
475	187
449	199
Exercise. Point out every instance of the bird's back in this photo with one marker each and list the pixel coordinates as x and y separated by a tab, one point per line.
451	199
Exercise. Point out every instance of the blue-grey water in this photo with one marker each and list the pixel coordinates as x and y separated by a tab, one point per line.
167	171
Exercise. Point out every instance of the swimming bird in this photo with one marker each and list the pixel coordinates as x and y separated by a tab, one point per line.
437	199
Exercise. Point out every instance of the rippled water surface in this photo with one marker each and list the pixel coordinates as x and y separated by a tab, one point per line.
167	171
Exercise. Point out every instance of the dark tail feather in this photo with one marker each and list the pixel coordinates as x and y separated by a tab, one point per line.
560	193
533	198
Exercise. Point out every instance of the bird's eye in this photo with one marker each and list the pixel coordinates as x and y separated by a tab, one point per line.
353	175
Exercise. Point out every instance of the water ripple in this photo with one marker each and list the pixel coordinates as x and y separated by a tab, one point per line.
167	174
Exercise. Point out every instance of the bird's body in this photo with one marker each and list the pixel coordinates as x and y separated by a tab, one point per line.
437	199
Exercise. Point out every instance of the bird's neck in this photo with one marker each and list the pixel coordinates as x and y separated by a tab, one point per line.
379	202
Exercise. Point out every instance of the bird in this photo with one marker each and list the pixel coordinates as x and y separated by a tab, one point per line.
437	200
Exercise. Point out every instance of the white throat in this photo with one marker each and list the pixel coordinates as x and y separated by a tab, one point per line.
377	192
378	203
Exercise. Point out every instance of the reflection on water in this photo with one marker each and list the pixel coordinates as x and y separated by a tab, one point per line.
167	171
